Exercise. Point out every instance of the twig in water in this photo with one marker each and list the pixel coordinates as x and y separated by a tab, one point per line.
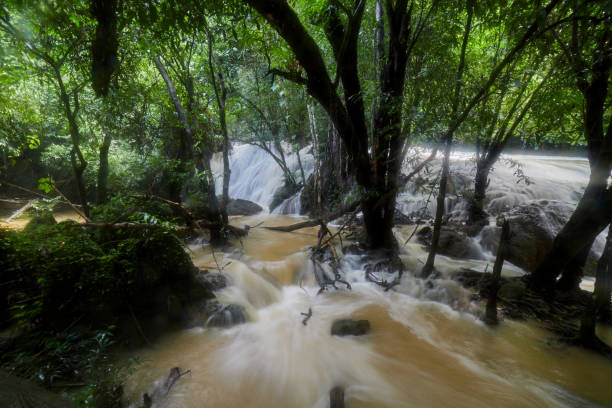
138	326
308	316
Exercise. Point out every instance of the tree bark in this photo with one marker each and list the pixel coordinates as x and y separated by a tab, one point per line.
491	309
102	190
603	280
187	141
221	96
77	160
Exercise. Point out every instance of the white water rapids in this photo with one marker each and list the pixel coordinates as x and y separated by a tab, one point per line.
426	347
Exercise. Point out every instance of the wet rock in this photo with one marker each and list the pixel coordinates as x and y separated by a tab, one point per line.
238	206
212	281
512	290
227	316
453	242
349	327
287	190
533	227
399	218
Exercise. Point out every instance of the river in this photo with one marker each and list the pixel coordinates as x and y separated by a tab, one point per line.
426	347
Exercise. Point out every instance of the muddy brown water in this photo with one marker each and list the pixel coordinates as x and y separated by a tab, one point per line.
420	352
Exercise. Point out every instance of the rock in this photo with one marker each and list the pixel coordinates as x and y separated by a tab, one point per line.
227	316
453	242
512	290
238	206
287	190
212	281
349	327
533	227
399	218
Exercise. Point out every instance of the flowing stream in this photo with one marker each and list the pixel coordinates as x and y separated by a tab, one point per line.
426	347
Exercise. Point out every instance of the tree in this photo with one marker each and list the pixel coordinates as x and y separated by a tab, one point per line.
60	50
587	53
377	171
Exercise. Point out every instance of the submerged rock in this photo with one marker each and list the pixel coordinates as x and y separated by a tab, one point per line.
238	206
227	316
349	327
452	242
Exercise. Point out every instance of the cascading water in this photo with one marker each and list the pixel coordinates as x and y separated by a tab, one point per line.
426	347
256	176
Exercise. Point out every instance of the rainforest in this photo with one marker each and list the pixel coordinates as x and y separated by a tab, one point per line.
305	203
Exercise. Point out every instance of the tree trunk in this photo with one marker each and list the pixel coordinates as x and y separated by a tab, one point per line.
314	134
481	182
221	96
572	273
588	220
187	139
603	280
76	156
448	142
491	310
102	191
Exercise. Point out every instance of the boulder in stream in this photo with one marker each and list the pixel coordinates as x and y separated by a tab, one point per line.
238	206
350	327
227	316
533	227
453	242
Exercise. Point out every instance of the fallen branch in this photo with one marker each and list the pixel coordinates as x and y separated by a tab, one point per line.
74	207
294	227
419	167
20	211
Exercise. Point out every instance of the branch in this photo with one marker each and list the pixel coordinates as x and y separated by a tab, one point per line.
291	76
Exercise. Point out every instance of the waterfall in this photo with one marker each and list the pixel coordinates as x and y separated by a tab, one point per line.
255	175
553	184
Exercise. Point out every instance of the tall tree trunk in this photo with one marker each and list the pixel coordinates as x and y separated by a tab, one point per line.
218	82
314	134
448	142
102	190
299	159
77	160
187	135
481	182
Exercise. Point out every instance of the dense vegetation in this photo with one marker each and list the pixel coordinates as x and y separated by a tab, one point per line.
114	104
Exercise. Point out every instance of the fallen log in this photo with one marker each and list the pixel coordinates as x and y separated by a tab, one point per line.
313	223
297	226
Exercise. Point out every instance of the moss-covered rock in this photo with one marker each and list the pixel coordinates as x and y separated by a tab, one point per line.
37	221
